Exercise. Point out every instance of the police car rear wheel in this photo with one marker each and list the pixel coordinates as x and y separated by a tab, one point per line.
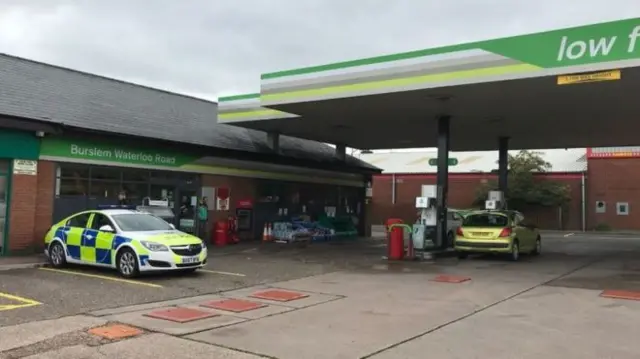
56	255
127	263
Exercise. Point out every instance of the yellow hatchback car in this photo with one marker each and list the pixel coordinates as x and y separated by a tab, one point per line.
497	232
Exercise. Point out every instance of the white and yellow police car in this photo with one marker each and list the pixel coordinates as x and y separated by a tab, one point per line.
127	240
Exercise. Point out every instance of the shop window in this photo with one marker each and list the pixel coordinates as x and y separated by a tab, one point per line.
4	167
132	175
105	189
73	170
72	186
105	173
136	191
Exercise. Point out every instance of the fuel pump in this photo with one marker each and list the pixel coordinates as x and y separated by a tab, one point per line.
424	229
495	201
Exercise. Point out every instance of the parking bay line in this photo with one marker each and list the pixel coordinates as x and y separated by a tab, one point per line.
223	273
120	280
25	302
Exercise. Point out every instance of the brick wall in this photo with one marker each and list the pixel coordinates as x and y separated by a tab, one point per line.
22	213
614	180
31	209
462	193
44	202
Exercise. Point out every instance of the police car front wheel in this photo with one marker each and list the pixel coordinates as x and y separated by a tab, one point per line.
127	263
57	256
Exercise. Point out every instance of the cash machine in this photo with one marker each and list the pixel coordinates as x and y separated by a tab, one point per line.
424	230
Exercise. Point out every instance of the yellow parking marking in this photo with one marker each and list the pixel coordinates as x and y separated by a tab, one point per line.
114	279
24	302
223	273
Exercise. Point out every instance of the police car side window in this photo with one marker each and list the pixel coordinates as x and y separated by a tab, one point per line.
100	220
79	221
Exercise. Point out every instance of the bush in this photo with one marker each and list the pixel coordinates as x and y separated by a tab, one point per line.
524	189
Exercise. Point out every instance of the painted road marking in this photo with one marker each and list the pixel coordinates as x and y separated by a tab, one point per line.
569	234
223	273
114	279
24	302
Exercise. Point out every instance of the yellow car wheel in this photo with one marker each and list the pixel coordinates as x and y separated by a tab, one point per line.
515	251
538	250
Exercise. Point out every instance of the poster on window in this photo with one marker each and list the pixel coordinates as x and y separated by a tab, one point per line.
223	199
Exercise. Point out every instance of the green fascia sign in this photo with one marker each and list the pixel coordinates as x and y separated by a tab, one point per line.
451	162
112	152
590	44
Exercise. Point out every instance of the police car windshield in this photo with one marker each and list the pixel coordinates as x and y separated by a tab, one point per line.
138	222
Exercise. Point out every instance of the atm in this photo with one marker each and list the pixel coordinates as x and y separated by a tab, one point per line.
245	217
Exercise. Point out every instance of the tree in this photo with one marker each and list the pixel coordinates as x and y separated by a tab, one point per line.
524	188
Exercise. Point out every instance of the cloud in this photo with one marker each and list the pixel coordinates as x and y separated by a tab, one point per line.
208	48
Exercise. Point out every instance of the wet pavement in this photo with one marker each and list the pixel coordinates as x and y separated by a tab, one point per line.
353	305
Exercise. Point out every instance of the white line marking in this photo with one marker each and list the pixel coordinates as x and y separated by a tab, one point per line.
223	273
569	234
119	280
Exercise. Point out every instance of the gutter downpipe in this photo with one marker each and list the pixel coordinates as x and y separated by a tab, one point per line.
583	189
393	188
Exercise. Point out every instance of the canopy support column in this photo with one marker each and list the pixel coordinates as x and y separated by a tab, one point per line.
503	165
442	181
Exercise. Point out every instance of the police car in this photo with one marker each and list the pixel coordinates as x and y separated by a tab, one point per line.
127	240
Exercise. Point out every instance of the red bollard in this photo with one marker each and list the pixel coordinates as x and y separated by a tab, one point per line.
396	243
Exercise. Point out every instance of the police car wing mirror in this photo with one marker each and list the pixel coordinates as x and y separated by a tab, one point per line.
106	228
172	226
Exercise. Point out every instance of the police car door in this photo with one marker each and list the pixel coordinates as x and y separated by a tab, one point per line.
74	235
101	240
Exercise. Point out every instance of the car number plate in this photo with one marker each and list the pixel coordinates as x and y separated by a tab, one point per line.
189	260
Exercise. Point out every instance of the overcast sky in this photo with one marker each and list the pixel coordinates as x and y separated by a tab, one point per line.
210	48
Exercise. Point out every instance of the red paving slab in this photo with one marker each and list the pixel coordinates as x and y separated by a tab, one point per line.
621	294
234	305
279	295
181	315
116	331
447	278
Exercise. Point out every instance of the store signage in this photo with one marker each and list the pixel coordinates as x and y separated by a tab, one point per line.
245	203
111	152
613	152
222	199
591	77
25	167
451	161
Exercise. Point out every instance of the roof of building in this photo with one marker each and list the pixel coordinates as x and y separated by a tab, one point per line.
561	160
38	91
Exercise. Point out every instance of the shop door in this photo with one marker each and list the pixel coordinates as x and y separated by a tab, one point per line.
185	209
4	203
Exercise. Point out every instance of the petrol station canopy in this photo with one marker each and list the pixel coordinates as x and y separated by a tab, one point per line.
575	87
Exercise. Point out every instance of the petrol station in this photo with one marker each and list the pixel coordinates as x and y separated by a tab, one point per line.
573	87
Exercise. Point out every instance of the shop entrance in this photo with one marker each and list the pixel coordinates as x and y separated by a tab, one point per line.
182	200
4	203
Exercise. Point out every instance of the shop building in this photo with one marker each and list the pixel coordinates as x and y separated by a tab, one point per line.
71	141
